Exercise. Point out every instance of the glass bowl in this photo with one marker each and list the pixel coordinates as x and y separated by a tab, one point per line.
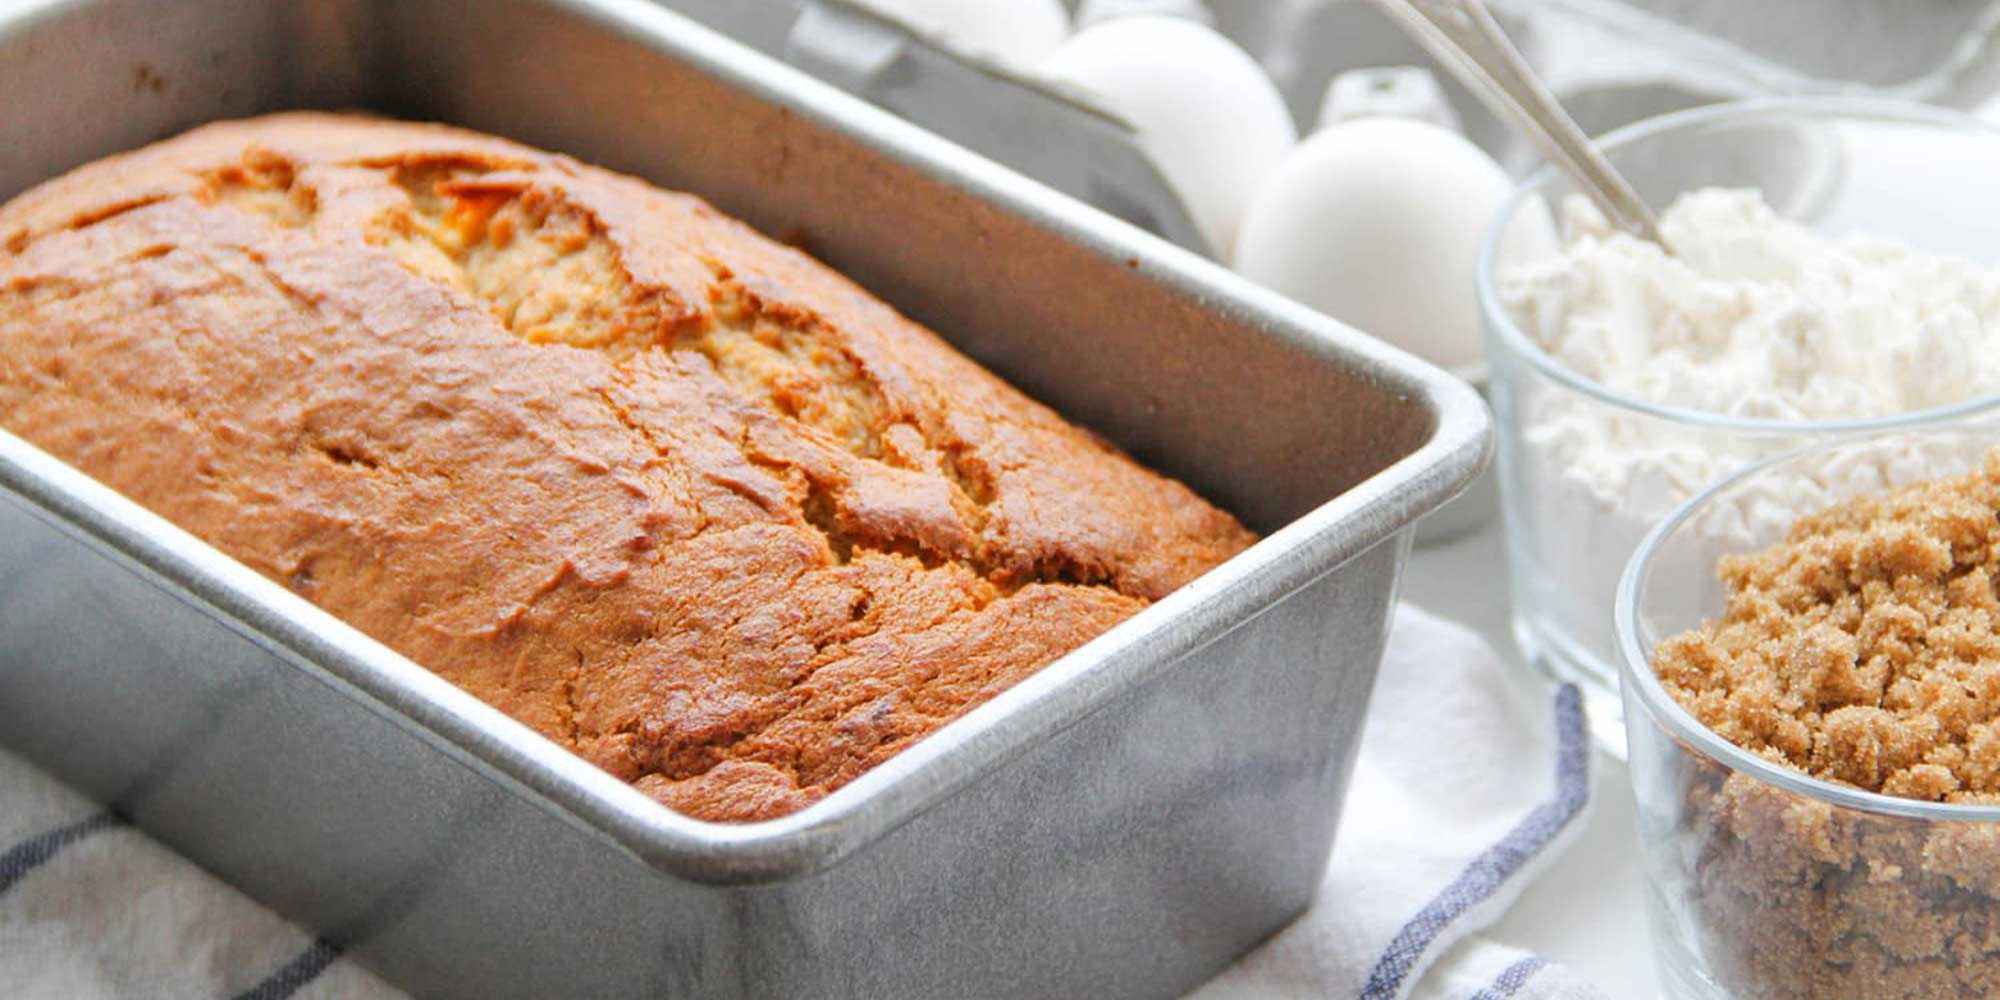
1764	883
1577	492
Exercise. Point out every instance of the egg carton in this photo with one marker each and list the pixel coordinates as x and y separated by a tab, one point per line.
1611	61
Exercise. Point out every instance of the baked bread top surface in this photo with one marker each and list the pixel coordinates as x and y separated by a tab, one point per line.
679	497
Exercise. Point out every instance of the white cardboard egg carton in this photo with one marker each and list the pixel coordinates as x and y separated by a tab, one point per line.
1611	61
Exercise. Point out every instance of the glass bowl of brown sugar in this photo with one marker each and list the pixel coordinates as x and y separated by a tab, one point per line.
1813	723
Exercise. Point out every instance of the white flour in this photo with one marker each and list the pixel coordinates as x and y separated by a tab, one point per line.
1757	316
1753	316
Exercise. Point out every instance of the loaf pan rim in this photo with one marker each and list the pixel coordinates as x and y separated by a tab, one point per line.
946	761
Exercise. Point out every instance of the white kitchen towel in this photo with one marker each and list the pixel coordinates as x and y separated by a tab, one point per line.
1469	779
92	909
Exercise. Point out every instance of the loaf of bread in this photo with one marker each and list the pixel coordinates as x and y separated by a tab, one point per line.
678	497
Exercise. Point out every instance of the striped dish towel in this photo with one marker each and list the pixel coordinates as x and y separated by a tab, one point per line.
1470	781
92	909
1464	790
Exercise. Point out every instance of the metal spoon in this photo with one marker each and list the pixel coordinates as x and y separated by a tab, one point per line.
1463	35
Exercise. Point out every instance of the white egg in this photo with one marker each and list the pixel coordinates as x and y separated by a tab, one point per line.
1017	33
1205	111
1378	222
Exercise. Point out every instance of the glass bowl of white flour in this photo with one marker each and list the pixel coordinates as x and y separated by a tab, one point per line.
1834	271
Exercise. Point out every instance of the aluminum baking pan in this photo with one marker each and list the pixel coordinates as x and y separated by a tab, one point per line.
1121	824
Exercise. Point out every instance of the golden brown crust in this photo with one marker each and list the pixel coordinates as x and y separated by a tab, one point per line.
680	498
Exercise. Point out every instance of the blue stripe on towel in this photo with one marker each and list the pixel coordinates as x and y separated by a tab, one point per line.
1511	979
35	851
1492	868
295	974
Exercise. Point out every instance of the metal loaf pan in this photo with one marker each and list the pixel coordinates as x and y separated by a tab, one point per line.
1122	824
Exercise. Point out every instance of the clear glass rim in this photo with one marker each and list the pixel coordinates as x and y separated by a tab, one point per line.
1635	671
1520	345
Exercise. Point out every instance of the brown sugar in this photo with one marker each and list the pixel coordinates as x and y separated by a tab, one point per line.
1863	651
